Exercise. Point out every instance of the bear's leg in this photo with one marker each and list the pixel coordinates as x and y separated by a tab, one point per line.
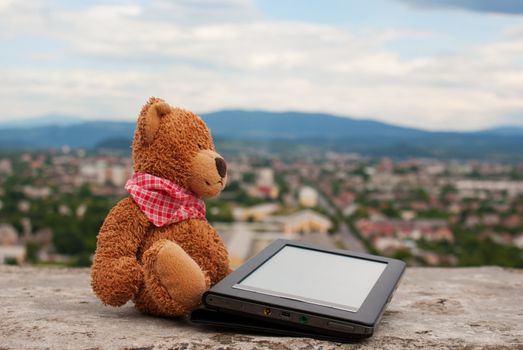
173	281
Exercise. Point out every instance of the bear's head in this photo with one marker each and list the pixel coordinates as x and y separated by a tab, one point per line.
176	145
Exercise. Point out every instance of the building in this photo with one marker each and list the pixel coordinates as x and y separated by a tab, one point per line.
265	186
246	239
470	188
389	245
10	249
265	177
12	253
255	213
267	192
430	230
8	235
304	221
119	175
308	197
518	241
6	167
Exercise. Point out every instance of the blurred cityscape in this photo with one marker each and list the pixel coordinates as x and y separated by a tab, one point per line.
423	211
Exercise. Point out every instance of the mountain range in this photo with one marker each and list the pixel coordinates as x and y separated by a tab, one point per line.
282	129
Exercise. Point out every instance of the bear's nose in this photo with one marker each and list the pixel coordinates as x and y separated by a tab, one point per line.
221	166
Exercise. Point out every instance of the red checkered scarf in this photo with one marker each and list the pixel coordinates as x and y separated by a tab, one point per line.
162	201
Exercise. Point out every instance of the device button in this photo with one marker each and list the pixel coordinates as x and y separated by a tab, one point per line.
340	326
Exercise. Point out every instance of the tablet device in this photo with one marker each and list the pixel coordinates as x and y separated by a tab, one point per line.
297	288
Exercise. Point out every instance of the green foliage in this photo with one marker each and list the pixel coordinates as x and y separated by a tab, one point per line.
232	186
10	261
361	172
243	199
336	188
218	211
31	252
282	186
75	235
432	214
472	251
448	189
420	194
403	254
365	200
71	234
249	178
360	213
82	260
84	192
391	211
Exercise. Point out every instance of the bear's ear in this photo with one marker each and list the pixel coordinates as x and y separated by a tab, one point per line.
151	119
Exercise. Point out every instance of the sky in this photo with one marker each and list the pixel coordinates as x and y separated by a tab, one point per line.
431	64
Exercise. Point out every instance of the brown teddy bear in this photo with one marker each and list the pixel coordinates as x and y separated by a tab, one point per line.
155	247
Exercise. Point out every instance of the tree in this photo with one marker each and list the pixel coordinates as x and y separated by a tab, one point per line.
31	251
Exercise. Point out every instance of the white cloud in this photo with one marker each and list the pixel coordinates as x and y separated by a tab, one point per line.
212	54
5	4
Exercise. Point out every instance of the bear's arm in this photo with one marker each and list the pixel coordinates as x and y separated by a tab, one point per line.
116	274
208	249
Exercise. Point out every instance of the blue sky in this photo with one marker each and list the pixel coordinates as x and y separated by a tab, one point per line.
433	64
451	26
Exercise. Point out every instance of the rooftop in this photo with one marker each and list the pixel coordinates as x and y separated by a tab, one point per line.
458	308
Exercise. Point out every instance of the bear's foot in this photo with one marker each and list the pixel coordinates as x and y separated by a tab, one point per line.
174	283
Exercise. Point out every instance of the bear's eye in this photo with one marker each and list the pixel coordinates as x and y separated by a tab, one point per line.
201	147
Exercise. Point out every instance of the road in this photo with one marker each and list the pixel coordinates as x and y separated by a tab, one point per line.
349	240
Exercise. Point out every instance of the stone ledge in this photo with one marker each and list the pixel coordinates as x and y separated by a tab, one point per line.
461	308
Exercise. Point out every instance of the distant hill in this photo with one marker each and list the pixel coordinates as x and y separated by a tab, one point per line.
296	125
506	131
284	131
86	135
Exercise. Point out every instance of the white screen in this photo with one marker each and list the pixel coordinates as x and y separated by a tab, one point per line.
315	277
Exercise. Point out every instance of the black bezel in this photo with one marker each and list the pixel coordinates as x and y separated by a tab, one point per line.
369	312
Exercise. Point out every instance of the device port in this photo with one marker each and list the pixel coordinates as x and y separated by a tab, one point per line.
285	314
266	311
303	319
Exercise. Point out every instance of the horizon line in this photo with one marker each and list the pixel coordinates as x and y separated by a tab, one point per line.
18	123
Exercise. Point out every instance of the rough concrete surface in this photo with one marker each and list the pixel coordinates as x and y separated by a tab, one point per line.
474	308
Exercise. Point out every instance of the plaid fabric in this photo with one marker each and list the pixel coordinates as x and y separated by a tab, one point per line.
162	201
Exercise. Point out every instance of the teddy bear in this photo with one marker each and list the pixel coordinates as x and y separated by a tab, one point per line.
155	247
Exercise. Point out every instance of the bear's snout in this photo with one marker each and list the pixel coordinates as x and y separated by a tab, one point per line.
208	173
221	166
